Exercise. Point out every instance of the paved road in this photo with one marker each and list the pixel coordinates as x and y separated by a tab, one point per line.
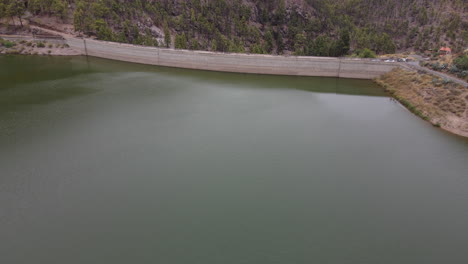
415	65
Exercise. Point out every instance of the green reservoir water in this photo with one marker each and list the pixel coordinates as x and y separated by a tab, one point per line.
109	162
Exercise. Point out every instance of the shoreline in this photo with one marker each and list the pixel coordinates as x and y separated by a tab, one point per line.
28	45
441	103
395	78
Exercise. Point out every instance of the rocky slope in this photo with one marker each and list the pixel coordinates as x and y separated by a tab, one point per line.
303	27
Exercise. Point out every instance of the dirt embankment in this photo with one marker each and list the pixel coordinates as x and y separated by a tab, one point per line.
441	102
26	38
36	47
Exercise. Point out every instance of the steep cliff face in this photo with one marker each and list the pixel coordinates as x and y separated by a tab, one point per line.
303	27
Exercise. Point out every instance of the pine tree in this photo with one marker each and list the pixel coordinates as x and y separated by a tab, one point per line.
167	36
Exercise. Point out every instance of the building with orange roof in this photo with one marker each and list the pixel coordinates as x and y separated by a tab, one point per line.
445	51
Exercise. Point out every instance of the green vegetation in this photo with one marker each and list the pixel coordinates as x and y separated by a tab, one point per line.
457	67
12	9
461	62
365	53
302	27
6	43
167	36
181	41
28	47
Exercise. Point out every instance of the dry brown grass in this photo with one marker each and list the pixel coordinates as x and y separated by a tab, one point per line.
448	59
31	48
440	102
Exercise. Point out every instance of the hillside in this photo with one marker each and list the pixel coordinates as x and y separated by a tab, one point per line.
302	27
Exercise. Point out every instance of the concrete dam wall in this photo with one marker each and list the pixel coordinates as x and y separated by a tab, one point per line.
233	62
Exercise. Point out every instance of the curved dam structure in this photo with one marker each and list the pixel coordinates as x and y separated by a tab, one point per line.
234	62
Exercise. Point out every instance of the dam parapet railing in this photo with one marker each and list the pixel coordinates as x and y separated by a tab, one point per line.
234	62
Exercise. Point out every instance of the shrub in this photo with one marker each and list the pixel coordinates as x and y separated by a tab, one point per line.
50	46
436	66
28	44
367	53
461	62
8	44
40	45
454	69
446	81
463	74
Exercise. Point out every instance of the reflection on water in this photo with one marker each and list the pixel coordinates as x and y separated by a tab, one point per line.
108	162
